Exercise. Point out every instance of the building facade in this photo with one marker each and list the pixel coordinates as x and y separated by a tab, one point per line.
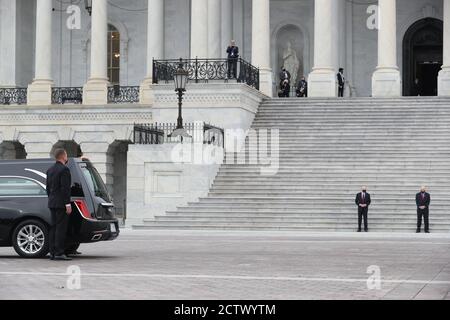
388	48
311	40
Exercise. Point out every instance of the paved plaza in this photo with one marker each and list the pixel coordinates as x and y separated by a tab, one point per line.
239	265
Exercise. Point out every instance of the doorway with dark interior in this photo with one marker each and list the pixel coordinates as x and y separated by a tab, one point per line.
422	57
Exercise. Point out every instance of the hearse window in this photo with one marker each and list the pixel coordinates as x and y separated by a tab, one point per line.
20	187
94	181
77	190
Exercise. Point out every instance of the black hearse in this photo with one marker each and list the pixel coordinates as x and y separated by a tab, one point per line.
25	218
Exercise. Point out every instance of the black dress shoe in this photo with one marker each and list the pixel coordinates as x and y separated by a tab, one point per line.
427	231
366	230
62	258
359	230
417	231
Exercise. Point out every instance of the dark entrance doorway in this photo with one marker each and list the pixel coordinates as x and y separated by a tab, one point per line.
422	57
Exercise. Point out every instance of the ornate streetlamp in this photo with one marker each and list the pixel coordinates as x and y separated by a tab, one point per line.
181	79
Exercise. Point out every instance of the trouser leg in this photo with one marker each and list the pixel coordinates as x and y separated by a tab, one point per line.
419	219
426	221
62	220
52	232
365	214
359	218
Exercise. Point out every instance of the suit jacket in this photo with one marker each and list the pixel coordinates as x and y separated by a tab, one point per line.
58	186
283	76
233	52
341	79
359	199
423	201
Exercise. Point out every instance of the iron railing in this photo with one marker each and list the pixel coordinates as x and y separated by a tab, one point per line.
123	94
204	70
159	133
61	95
147	134
13	96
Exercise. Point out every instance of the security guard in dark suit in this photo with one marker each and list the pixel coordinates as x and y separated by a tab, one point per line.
423	202
58	191
363	201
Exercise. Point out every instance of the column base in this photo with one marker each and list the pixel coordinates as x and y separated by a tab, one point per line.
444	82
322	83
95	92
40	93
266	82
146	95
386	82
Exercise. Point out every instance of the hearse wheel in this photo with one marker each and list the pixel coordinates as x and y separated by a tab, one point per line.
30	239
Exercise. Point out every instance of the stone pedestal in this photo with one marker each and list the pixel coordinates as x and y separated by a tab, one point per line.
40	93
444	82
146	94
386	82
95	92
322	83
266	82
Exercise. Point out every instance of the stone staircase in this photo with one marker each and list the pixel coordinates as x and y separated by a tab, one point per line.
329	148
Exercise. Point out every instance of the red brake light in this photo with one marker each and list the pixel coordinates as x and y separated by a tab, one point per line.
83	208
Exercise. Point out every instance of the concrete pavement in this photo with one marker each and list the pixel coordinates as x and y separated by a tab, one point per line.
239	265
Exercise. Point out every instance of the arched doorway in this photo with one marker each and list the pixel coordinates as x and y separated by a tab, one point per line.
11	150
72	148
422	57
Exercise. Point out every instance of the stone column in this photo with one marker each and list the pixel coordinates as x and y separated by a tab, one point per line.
386	80
322	79
155	46
40	90
444	74
227	25
199	29
95	91
214	29
261	44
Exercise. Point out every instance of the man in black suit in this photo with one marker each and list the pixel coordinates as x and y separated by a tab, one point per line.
302	88
284	75
58	191
363	202
423	202
341	82
233	55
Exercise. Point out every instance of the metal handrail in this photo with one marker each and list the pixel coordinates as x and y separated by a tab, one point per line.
205	70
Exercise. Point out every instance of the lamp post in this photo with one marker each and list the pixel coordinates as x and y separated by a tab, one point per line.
181	78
